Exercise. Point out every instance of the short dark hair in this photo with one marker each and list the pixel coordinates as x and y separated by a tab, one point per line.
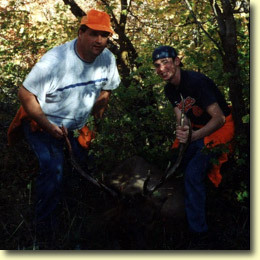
82	28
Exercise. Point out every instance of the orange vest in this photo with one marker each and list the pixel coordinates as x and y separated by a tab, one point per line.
15	131
222	136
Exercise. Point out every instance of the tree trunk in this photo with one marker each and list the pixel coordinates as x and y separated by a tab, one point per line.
75	9
228	36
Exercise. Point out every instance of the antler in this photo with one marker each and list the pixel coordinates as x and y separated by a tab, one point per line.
75	164
170	170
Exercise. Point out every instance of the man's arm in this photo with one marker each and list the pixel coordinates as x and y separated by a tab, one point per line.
100	105
217	120
34	111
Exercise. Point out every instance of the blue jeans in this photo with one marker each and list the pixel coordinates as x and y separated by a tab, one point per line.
50	154
196	164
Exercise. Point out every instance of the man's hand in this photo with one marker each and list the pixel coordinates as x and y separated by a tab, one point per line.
101	104
55	131
182	133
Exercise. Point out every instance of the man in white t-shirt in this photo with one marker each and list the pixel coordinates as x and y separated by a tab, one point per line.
63	88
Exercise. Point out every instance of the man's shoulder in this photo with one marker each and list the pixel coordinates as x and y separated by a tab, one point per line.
61	49
192	75
55	55
107	54
194	79
106	51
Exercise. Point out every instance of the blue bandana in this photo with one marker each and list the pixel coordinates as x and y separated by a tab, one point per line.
164	52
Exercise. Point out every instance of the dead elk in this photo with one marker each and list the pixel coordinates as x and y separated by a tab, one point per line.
145	196
136	215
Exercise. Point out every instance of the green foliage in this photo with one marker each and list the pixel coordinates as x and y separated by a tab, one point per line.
246	119
138	121
243	193
132	126
241	153
23	42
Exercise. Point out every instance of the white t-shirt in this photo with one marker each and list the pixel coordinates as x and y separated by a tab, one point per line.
67	87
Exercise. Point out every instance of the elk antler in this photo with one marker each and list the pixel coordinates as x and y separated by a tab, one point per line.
170	169
87	176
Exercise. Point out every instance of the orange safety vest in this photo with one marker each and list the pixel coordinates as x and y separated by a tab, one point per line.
15	132
223	135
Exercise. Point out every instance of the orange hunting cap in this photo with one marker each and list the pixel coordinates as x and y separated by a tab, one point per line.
97	20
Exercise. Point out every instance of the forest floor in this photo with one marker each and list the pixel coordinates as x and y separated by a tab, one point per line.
83	212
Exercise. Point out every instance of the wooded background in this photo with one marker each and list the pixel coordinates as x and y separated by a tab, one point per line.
211	37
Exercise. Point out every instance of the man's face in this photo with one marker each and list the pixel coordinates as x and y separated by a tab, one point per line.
92	43
165	68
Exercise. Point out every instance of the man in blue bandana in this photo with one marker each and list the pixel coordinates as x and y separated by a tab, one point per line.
212	124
